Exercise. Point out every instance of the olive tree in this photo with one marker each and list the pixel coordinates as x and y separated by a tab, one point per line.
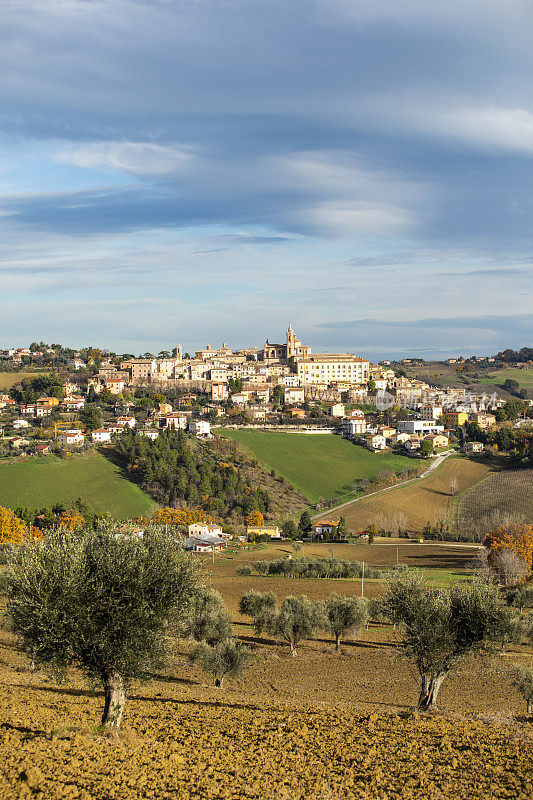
101	601
522	679
253	602
442	627
295	620
344	615
206	618
228	657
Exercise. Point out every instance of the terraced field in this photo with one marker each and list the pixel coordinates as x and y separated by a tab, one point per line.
509	492
426	500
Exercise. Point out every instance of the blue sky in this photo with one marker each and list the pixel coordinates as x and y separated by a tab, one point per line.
195	171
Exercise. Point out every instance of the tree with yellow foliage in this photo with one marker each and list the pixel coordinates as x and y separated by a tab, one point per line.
179	516
12	529
254	518
514	537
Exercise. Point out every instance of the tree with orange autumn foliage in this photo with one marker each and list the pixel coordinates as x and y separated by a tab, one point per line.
254	518
70	520
515	537
12	529
179	516
15	531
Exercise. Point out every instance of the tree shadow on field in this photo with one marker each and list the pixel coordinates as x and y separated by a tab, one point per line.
435	491
28	733
457	561
97	693
172	679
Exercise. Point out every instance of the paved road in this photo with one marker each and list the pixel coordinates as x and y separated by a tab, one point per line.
436	462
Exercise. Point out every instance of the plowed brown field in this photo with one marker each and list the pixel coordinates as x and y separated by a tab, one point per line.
320	726
427	500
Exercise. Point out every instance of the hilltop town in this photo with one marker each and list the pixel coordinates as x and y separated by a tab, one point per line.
280	384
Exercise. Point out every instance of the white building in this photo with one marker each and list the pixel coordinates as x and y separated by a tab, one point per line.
420	426
150	433
336	410
200	427
101	435
20	423
293	395
204	529
328	367
74	437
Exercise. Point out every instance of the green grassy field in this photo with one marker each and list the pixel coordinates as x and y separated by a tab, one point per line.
524	377
318	465
44	481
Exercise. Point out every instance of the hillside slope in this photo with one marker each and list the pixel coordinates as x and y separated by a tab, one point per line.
44	481
318	465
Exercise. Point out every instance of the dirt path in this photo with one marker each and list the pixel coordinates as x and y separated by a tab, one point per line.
436	462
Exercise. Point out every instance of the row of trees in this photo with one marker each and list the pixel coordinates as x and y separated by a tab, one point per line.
440	628
315	567
114	604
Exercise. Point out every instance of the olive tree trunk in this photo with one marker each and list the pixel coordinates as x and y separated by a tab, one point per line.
530	706
429	691
218	680
115	699
293	647
337	642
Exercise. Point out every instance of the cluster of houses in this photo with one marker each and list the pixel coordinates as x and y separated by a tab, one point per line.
251	383
432	424
206	538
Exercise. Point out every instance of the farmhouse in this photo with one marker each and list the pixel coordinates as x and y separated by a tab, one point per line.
101	435
474	447
254	531
204	544
325	526
200	529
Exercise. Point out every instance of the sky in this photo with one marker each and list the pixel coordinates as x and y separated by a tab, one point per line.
199	171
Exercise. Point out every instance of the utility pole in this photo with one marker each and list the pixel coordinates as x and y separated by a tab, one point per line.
363	580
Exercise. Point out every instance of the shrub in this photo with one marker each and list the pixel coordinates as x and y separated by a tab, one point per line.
522	679
244	569
228	657
207	619
295	620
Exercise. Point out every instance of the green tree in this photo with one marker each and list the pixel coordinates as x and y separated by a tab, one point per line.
289	529
442	627
426	448
101	601
91	417
252	603
228	657
342	528
304	524
295	620
344	615
207	619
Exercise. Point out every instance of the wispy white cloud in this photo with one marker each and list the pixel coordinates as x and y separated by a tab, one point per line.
136	158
